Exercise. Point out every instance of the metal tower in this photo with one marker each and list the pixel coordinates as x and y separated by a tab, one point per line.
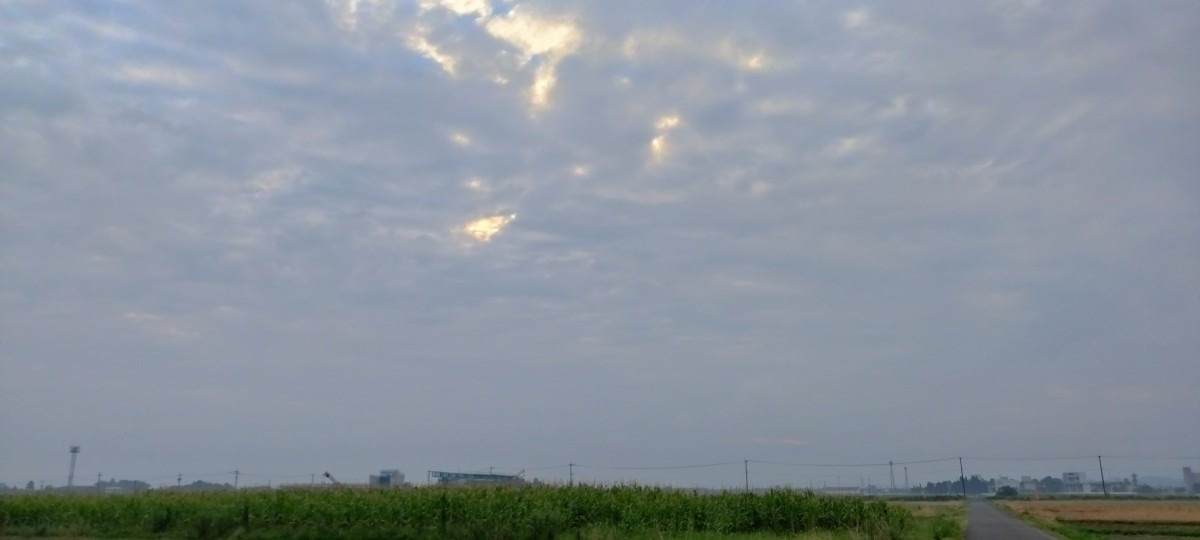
71	474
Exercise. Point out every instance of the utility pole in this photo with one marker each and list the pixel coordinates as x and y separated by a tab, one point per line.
1103	484
962	476
236	473
179	480
906	478
746	469
98	482
892	471
571	473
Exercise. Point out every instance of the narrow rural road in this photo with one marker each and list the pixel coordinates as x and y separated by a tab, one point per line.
986	522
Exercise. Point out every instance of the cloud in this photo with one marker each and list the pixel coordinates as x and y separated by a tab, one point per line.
156	75
535	35
160	325
460	139
476	184
724	213
484	228
422	45
277	180
350	13
479	8
550	40
856	18
658	144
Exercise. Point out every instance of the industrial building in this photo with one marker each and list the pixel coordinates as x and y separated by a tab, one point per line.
387	478
474	479
1076	482
1191	481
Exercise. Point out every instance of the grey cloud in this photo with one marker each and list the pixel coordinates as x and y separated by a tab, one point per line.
248	216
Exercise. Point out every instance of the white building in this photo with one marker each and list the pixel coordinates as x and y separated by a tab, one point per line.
1076	482
1005	481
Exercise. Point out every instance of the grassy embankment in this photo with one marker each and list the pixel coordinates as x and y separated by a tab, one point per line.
510	513
1079	519
937	520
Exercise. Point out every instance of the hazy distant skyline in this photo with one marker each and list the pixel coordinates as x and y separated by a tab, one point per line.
352	235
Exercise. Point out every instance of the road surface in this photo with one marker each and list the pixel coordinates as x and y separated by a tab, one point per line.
986	522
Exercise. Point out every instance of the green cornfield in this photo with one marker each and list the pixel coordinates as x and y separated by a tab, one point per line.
484	512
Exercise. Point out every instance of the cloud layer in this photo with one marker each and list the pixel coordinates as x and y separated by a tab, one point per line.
241	234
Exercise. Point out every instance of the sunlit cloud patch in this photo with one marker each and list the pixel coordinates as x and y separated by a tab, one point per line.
484	228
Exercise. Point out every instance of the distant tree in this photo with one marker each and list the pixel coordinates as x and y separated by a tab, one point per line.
1006	491
977	485
1051	484
1146	490
200	485
945	487
29	486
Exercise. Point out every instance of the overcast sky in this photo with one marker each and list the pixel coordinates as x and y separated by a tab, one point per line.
291	237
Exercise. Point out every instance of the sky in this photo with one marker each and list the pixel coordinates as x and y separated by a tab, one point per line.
285	238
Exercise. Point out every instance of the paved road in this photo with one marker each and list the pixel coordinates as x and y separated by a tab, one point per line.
985	522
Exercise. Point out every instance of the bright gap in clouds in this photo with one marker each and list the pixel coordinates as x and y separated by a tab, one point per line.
484	228
658	145
542	42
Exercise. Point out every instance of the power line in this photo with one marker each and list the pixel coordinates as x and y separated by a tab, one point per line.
546	468
1177	458
1028	458
700	466
851	465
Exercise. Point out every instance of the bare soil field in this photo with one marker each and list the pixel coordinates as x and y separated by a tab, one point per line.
1113	519
1118	511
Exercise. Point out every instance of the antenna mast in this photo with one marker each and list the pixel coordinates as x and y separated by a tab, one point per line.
71	473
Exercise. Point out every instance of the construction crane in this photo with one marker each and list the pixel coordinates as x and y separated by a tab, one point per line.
332	479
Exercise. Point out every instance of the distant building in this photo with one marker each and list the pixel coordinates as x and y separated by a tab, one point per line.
1191	481
1028	484
473	479
1124	486
1076	482
840	490
1005	481
387	478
